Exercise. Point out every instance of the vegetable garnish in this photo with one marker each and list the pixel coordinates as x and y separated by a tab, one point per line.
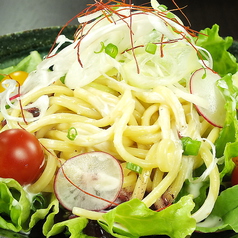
190	146
151	48
72	133
134	167
111	50
214	111
19	76
93	181
137	124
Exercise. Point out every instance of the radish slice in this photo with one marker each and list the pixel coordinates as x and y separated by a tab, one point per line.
92	176
203	83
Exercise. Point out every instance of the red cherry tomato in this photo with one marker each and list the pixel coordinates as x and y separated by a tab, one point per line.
19	76
234	176
21	156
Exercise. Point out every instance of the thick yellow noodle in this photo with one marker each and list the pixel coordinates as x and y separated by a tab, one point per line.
138	126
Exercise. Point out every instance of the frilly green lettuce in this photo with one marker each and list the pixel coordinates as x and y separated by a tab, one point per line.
227	142
223	61
134	219
224	214
16	209
73	226
27	64
17	212
14	205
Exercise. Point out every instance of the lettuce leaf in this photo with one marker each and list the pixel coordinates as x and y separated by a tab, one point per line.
28	64
224	61
224	214
18	214
227	142
133	219
73	227
14	205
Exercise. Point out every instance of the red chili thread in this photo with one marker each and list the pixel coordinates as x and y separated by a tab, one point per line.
162	208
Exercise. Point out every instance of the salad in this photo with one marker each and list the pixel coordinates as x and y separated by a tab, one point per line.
129	128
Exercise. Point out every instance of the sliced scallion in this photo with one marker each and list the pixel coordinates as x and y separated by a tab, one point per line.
62	79
134	167
163	8
72	133
111	50
151	48
102	48
190	146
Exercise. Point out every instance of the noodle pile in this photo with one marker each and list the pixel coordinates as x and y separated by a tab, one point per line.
138	126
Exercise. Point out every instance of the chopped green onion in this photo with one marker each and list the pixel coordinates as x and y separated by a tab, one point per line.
151	48
134	167
72	133
190	146
102	48
204	75
115	7
62	79
111	50
170	15
162	8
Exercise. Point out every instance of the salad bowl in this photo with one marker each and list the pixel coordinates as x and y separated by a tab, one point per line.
14	48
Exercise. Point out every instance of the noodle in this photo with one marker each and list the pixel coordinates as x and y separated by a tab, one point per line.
46	176
136	126
205	209
140	127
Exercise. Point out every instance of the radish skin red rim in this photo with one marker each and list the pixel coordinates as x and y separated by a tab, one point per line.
97	174
203	83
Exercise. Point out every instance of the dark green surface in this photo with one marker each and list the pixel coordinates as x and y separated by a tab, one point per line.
15	47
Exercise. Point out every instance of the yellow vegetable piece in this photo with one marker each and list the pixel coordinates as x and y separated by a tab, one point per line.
19	76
